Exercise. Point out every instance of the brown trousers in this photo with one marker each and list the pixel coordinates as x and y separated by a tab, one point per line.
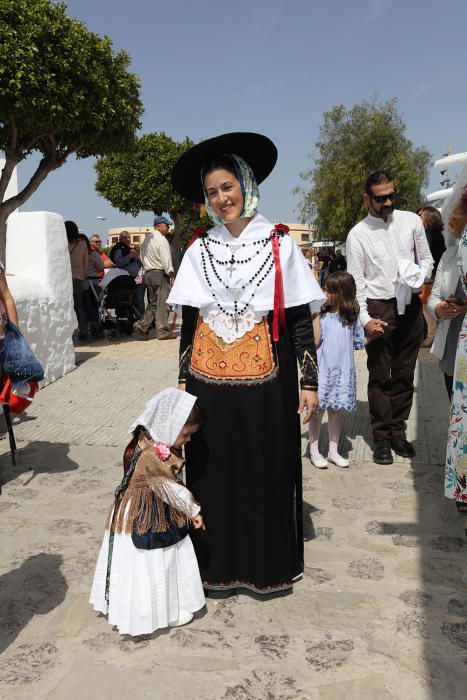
391	366
157	311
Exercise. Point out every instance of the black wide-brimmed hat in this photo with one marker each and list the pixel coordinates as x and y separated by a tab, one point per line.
259	152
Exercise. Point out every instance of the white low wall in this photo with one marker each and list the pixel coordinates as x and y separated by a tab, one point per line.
39	277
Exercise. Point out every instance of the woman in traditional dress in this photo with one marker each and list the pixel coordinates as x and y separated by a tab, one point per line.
246	294
455	484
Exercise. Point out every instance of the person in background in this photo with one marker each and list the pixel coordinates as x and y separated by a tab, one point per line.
433	225
389	258
446	304
338	263
79	259
313	262
158	278
455	481
140	290
123	256
94	274
324	258
95	243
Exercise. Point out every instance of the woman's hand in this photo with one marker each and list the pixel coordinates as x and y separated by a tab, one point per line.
308	400
182	386
460	305
198	522
446	311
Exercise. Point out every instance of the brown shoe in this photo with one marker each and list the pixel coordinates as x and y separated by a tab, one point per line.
141	335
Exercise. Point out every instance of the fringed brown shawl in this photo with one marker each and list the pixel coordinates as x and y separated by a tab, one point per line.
150	502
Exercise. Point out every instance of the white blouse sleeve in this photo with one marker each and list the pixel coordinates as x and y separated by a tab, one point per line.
191	508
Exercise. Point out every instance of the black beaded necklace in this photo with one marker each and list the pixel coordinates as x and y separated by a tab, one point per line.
262	243
269	259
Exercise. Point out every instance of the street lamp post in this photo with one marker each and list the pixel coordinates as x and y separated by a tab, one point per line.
102	219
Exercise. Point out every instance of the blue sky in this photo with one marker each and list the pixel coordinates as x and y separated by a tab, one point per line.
273	66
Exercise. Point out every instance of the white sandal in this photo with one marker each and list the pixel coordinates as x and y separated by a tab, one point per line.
319	463
339	461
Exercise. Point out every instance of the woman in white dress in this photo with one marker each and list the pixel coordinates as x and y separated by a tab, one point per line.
147	575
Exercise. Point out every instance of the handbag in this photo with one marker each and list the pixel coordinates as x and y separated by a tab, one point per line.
20	363
17	401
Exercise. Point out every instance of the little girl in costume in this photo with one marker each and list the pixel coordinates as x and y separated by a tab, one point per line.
338	332
147	574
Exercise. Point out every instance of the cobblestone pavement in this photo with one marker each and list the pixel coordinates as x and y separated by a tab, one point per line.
381	611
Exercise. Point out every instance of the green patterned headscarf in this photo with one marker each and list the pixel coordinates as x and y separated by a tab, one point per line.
249	187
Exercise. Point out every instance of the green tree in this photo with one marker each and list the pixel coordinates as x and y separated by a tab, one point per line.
63	91
139	180
352	144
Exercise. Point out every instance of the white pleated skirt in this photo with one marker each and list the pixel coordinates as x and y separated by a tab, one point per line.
149	589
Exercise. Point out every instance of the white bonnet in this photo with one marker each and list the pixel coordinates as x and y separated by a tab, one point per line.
165	415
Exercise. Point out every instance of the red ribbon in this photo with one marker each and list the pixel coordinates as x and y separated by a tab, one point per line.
196	234
278	317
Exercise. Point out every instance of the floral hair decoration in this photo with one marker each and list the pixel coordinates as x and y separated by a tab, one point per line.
162	451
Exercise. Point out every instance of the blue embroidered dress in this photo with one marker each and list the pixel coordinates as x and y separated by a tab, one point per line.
337	384
455	480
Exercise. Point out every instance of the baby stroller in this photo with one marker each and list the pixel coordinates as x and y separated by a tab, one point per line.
116	313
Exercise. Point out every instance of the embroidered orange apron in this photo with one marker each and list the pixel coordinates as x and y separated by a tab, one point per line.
248	360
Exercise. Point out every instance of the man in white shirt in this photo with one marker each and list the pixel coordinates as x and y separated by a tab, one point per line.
158	277
389	257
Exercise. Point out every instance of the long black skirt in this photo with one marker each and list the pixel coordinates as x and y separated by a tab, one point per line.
244	468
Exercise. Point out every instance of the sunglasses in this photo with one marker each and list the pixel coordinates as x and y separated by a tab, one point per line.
381	198
95	241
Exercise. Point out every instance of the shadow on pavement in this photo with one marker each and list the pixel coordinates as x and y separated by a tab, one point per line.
81	356
435	591
440	535
353	427
38	458
308	526
34	588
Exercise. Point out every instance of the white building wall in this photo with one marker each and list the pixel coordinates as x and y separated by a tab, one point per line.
12	189
39	277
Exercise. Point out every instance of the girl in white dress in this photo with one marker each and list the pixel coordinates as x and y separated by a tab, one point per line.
147	574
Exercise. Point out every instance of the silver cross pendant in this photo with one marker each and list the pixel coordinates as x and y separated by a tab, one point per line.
231	267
